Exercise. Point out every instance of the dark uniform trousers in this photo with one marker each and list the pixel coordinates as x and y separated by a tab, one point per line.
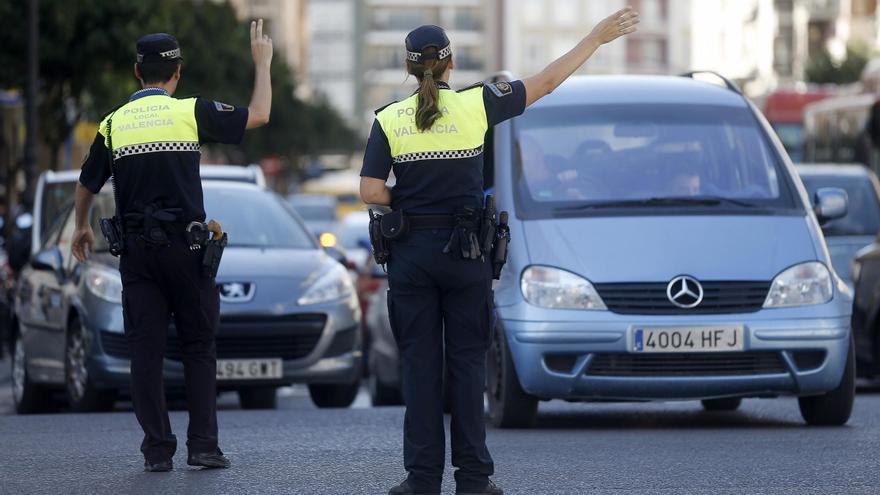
156	284
436	299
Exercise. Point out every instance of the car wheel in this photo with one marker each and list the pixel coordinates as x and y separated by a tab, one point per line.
258	398
82	394
833	408
509	405
27	396
726	404
382	394
333	396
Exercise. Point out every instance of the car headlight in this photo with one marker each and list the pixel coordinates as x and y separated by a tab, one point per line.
105	284
548	287
332	285
801	285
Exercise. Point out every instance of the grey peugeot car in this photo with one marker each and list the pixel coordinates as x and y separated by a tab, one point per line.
289	313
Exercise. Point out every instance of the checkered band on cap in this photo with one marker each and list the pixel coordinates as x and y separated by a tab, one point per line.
438	155
417	56
139	149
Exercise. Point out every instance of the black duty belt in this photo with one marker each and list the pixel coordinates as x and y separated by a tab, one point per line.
428	222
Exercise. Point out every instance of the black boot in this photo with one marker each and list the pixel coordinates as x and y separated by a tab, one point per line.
490	489
404	488
210	460
158	467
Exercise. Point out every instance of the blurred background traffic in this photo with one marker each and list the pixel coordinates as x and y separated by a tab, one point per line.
808	65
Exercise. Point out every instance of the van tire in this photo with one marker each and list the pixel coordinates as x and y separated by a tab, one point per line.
258	398
509	405
334	396
834	407
28	397
725	404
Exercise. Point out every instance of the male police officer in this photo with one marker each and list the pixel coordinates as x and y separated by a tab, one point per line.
151	146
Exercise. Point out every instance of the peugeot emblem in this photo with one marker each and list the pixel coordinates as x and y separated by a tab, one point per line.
684	292
236	292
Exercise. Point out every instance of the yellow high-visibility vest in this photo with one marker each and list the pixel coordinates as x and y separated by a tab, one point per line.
153	123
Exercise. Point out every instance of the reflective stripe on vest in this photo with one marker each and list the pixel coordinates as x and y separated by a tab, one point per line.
152	124
458	133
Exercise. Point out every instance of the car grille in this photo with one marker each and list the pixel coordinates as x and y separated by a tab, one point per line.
650	298
705	364
287	337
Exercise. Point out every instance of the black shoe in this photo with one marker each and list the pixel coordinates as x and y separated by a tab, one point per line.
211	460
404	488
158	467
490	489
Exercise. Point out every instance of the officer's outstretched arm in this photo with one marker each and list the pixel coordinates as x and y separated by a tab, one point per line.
261	101
83	237
616	25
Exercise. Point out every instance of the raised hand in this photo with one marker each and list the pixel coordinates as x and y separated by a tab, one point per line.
261	44
616	25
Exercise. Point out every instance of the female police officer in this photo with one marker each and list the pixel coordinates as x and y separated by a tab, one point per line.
440	285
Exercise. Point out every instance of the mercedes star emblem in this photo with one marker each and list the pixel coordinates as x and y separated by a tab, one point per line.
684	292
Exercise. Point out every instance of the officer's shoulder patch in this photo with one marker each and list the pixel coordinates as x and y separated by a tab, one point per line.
472	86
501	88
223	107
376	111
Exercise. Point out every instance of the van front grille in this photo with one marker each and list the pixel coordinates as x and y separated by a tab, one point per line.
673	364
649	298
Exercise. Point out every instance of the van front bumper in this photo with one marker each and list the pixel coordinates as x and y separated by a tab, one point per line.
554	360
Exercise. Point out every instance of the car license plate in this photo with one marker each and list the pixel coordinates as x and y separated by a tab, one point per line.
694	339
248	369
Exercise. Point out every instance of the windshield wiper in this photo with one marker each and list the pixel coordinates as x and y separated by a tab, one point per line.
669	201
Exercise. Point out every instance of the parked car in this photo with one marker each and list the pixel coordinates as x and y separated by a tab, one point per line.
318	211
847	235
289	313
663	248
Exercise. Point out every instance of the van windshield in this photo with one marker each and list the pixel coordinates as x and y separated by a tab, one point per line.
676	158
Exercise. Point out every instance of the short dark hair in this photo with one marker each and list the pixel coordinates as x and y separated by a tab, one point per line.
158	72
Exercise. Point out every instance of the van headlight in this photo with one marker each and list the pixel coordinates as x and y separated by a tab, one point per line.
332	285
801	285
548	287
104	284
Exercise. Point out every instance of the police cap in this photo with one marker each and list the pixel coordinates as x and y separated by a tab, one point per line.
158	47
424	37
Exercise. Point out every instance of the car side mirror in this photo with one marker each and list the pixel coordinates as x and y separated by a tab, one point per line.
831	204
49	260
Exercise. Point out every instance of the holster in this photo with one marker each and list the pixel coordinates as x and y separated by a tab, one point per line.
499	250
464	241
111	228
213	254
381	245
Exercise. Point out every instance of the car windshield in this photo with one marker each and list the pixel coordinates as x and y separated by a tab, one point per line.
863	207
353	232
593	159
309	212
255	218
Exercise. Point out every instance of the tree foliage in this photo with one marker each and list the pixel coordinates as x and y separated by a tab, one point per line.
87	54
823	69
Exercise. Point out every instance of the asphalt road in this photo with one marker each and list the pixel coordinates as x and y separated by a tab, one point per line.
671	448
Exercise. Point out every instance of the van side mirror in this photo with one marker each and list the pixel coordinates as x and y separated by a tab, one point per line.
48	260
831	204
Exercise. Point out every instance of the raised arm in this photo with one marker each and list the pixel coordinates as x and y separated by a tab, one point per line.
261	101
612	27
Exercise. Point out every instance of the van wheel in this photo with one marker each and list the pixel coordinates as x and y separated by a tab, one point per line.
28	397
382	394
726	404
834	407
258	398
82	394
334	396
509	405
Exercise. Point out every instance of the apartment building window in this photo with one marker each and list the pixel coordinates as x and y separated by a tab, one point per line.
469	58
646	52
783	49
651	10
468	19
403	18
385	57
